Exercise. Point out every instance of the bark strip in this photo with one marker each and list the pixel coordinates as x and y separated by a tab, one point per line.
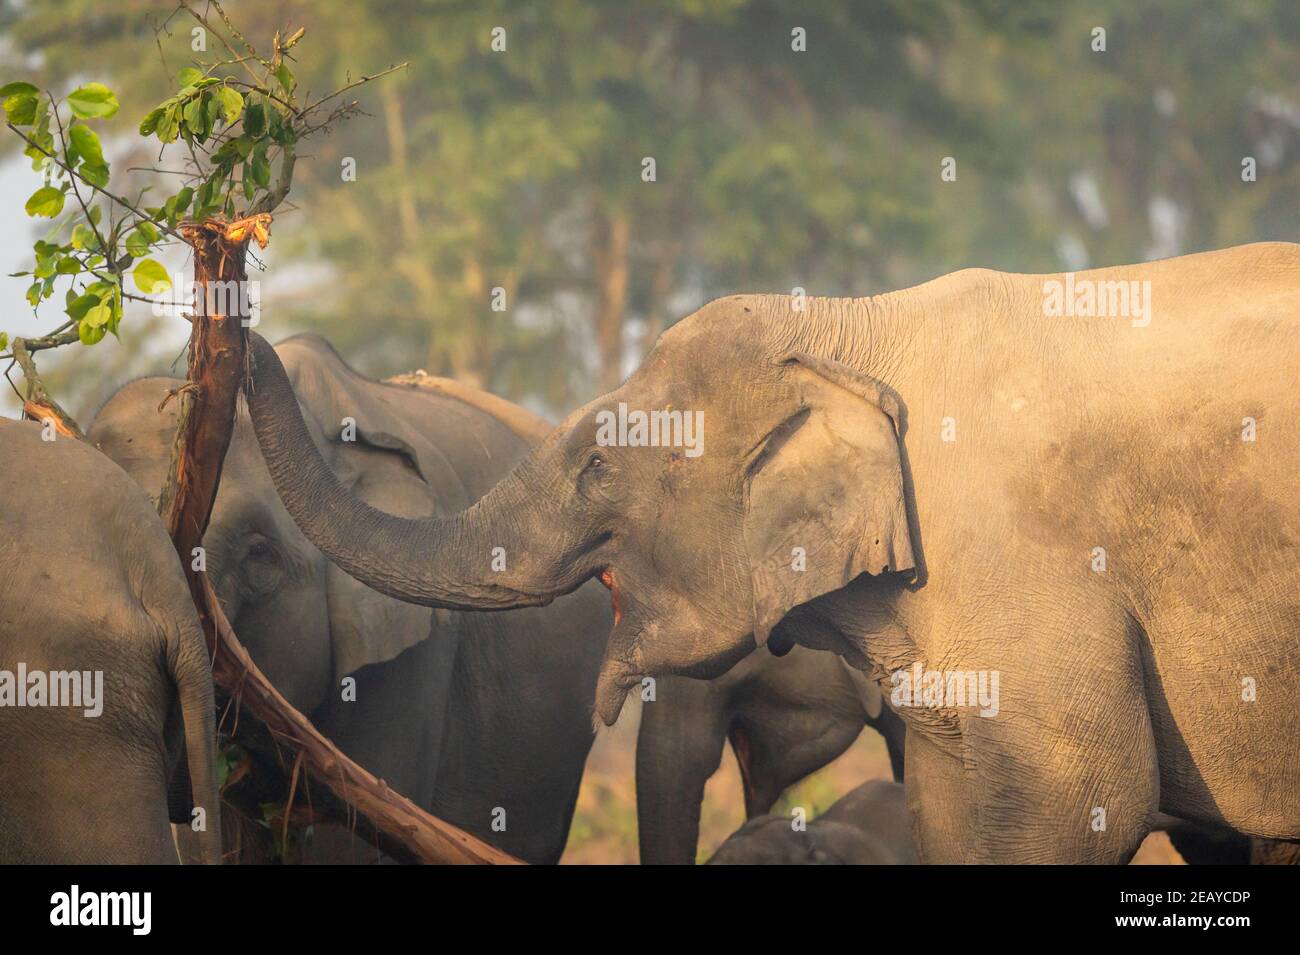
217	366
427	838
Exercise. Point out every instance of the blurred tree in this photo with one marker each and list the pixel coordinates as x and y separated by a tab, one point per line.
511	159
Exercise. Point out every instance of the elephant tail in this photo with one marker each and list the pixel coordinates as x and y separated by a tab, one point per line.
192	673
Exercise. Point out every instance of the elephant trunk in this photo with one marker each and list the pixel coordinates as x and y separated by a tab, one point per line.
434	562
678	747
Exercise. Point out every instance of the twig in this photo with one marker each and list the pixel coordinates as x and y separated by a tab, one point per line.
100	189
38	405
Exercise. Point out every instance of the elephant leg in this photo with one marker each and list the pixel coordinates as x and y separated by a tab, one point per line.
936	789
679	746
1071	778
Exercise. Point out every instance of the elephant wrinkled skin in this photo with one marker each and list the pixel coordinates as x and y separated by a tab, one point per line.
1099	511
465	714
92	584
785	717
868	826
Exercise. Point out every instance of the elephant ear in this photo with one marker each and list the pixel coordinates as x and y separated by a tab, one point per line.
337	397
391	465
824	497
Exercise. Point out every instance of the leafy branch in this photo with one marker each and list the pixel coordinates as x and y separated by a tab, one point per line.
236	123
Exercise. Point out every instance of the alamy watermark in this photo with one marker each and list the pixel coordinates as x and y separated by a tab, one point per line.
945	688
219	298
132	910
82	689
651	429
1092	298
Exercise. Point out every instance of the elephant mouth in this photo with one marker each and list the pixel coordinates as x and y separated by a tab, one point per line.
620	670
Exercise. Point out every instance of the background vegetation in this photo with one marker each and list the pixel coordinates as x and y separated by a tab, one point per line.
522	169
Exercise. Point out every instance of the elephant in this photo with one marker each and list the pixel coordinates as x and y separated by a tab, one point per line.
1053	516
867	826
104	674
482	719
785	717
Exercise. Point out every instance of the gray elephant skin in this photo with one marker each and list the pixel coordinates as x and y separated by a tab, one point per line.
92	585
784	717
475	717
1095	506
868	826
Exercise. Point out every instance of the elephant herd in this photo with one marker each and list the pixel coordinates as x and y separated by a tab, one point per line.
1090	524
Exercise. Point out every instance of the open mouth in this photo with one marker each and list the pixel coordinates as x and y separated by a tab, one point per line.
611	584
621	668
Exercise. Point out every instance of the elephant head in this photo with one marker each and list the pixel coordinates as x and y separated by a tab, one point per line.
760	478
264	570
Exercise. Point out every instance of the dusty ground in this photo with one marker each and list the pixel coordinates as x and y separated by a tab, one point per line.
604	826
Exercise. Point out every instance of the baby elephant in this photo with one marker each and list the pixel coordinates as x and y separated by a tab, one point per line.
869	826
104	676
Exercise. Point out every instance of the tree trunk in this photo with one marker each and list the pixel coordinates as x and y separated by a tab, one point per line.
217	367
611	257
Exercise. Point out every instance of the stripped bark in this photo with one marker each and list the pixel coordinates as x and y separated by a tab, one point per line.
37	404
217	365
421	835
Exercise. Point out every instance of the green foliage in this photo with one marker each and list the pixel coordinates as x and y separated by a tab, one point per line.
235	122
92	101
776	168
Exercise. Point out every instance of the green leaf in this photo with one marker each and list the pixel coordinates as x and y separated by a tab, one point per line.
261	168
96	174
150	122
13	89
86	143
137	245
149	275
189	76
80	305
255	120
196	116
68	265
139	241
45	201
43	140
34	294
4	340
98	315
83	238
232	104
90	334
285	77
20	108
169	124
92	101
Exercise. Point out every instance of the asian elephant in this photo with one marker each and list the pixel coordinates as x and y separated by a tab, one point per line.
867	826
482	719
104	676
1054	515
785	717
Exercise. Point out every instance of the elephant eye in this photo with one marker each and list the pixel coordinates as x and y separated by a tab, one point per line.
260	549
